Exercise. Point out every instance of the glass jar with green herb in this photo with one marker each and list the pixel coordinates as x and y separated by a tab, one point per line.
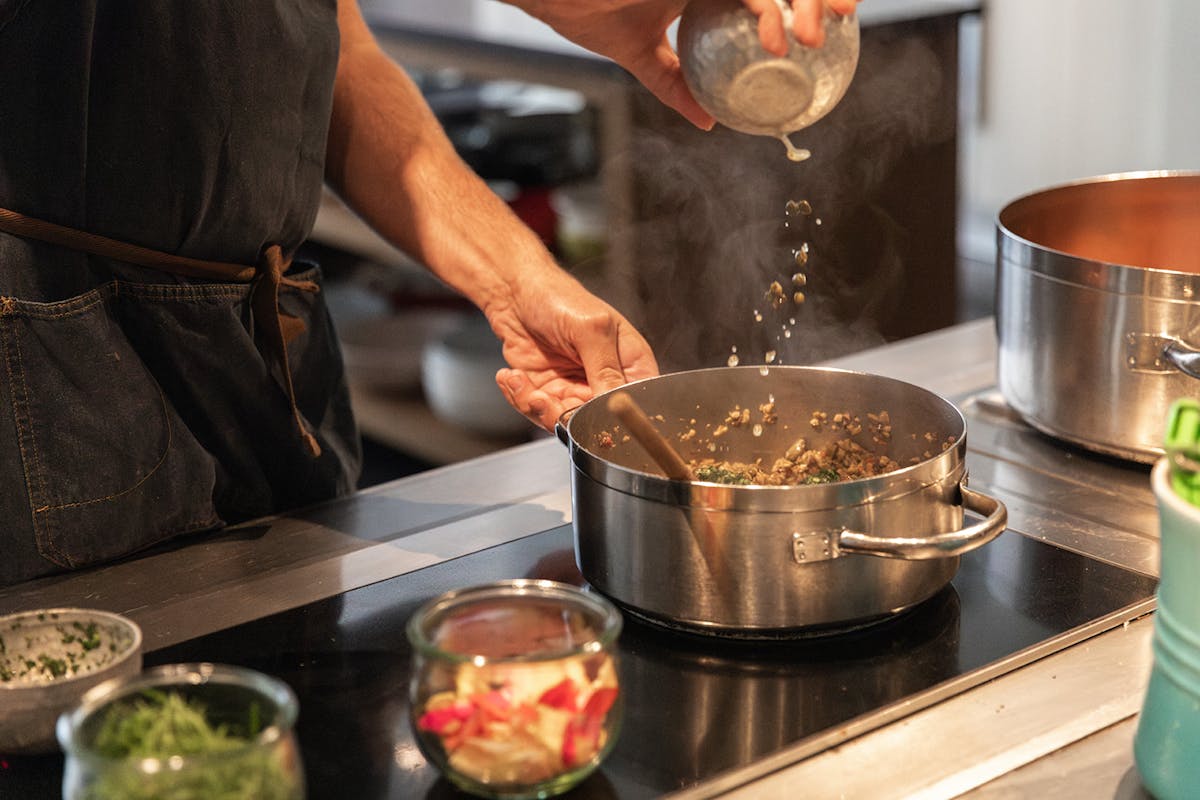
184	731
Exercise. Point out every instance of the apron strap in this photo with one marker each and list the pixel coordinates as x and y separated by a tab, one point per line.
280	328
277	326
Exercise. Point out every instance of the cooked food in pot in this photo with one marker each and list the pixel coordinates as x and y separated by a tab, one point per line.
843	460
859	451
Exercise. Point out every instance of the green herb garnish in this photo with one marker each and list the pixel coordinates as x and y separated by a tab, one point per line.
823	476
222	761
715	474
55	666
89	636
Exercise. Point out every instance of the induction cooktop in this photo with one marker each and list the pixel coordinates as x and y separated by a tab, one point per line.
695	706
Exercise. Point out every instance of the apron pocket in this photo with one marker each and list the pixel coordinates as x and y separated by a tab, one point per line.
105	461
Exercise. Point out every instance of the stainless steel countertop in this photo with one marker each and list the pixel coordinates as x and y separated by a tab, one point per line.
1060	725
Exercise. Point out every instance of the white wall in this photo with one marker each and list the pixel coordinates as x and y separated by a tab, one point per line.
1074	88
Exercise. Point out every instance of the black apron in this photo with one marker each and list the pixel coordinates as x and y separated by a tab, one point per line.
141	399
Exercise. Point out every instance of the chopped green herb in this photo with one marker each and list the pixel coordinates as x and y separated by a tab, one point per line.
55	666
90	638
161	725
823	476
715	474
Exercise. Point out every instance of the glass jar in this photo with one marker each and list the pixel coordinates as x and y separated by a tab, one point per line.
514	691
184	731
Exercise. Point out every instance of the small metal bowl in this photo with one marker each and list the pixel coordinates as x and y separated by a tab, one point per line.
750	90
48	659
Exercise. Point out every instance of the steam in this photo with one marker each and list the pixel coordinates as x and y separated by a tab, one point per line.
710	232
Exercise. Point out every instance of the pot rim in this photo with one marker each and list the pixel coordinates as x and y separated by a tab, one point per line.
944	467
1020	251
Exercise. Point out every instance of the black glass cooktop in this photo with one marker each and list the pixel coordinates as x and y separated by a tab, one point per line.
695	706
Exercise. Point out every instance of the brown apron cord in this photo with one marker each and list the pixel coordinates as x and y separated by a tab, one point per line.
30	228
278	327
264	299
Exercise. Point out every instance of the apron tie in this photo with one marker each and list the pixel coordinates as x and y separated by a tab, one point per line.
280	327
277	326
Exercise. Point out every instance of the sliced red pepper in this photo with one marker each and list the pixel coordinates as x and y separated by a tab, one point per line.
570	746
600	702
581	739
563	695
438	720
494	704
471	727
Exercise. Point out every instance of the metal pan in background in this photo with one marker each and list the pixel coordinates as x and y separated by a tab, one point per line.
1098	308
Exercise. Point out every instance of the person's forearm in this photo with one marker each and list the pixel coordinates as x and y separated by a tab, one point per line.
390	160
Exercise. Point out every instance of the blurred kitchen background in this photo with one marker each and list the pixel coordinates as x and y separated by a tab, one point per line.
957	108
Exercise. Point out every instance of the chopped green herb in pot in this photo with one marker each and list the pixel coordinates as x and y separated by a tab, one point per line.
718	474
823	476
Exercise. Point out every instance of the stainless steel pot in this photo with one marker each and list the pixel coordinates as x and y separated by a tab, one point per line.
1098	308
758	560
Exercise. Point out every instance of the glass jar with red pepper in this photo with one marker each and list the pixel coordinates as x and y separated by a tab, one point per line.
514	691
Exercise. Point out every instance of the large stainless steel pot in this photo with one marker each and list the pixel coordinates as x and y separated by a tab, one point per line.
1098	308
758	560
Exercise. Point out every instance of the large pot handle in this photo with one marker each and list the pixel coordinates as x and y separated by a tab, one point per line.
808	547
1182	357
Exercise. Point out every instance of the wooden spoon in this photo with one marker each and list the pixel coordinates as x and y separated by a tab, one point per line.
648	436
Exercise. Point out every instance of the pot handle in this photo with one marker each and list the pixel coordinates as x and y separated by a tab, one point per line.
560	425
1183	358
824	546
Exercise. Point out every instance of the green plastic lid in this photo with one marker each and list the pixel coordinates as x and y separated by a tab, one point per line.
1182	443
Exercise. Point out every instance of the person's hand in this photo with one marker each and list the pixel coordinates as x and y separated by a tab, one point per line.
807	25
633	33
563	346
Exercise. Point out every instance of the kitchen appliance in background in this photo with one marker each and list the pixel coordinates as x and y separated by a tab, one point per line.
524	139
581	223
458	377
385	315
